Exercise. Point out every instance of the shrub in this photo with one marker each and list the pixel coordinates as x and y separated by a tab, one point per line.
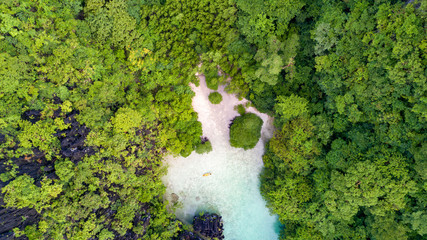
245	131
215	97
241	109
212	80
203	147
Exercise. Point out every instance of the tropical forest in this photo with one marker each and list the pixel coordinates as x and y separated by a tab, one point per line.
213	119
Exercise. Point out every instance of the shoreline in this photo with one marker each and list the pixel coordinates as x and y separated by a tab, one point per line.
233	186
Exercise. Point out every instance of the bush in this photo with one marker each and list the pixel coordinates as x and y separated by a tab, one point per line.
240	109
245	131
203	147
215	97
212	80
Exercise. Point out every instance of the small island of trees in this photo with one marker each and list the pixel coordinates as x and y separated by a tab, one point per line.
245	131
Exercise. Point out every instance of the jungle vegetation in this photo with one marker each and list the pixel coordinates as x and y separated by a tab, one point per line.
94	93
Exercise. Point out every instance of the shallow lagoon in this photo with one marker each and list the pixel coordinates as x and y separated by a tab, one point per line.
232	189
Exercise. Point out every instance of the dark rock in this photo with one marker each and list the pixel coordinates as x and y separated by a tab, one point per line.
7	236
2	138
48	168
73	139
204	139
57	112
32	169
12	217
174	198
209	225
30	165
187	235
31	115
57	100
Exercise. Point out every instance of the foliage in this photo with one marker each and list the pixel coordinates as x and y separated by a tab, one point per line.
291	107
109	81
241	109
215	97
81	68
245	131
344	162
295	145
204	147
22	192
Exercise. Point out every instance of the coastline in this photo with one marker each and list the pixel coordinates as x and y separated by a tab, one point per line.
233	187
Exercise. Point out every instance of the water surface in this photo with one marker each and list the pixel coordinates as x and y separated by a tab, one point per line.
232	190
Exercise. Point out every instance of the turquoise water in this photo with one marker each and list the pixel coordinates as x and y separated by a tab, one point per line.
232	189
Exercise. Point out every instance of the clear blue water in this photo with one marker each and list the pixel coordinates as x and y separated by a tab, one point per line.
232	189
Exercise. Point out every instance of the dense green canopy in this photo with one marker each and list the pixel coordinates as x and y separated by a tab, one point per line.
215	98
94	93
245	131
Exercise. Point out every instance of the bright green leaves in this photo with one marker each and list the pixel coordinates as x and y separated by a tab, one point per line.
13	70
291	107
125	120
22	192
10	173
271	65
350	110
125	215
288	198
203	147
9	25
289	158
258	27
278	55
110	22
325	38
176	38
387	227
90	187
295	145
381	79
417	221
322	128
215	97
59	60
380	186
106	235
260	20
65	170
346	80
39	135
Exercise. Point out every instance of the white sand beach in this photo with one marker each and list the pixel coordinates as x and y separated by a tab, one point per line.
232	189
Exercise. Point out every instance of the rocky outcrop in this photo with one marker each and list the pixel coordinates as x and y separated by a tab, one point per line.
209	225
73	140
37	166
31	115
187	235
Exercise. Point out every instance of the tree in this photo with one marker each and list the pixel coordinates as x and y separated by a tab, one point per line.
203	147
22	192
295	145
215	98
291	107
126	120
245	131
